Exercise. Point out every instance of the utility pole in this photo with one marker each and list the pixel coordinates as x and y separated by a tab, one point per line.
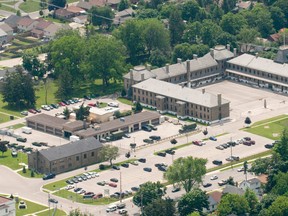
49	202
231	151
120	188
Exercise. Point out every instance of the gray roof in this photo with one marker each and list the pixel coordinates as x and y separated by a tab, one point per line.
12	21
221	53
2	33
5	27
73	126
73	148
180	93
45	119
137	71
233	190
282	55
117	123
261	64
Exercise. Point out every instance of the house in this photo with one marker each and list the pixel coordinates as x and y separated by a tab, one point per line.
63	13
66	157
122	16
275	37
12	21
3	37
26	24
253	184
7	206
113	3
75	10
87	5
82	19
230	189
9	31
52	29
214	199
244	5
38	31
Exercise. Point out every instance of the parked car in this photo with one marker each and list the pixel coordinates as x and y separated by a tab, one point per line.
162	168
88	195
22	205
114	179
98	196
240	169
92	104
51	200
269	146
38	110
173	141
175	189
21	139
248	143
205	185
213	138
147	169
121	205
162	154
25	113
111	184
149	141
122	211
229	159
155	138
126	165
111	208
126	135
32	111
222	182
76	190
55	106
252	142
45	107
170	151
102	183
142	160
214	177
152	127
146	128
115	167
113	104
87	97
198	143
247	138
220	147
48	176
135	163
217	162
61	104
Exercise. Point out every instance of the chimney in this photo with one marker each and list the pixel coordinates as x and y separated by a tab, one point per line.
257	55
179	60
131	74
219	97
148	67
188	66
195	56
84	124
235	52
228	47
167	68
142	76
212	52
203	91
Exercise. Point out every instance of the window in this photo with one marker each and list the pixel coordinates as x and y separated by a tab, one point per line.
85	156
77	158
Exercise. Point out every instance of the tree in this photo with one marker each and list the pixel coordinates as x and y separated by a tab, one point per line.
82	112
41	13
185	51
245	165
109	153
124	4
228	5
102	17
247	121
138	107
192	32
278	17
281	148
160	207
252	201
210	32
65	85
147	13
106	59
279	207
158	58
176	26
55	4
3	148
260	166
32	173
77	212
281	186
195	214
43	5
186	171
233	23
32	64
232	204
18	89
148	192
66	113
192	201
248	35
18	13
230	181
190	10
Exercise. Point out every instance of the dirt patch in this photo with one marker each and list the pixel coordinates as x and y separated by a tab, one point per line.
266	127
275	134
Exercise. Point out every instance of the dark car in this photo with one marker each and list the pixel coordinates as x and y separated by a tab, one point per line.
114	179
87	97
146	128
247	138
116	167
222	182
176	189
269	146
162	168
36	144
135	188
162	154
142	160
170	151
126	165
49	176
88	195
149	141
173	141
217	162
248	143
147	169
51	200
121	205
55	106
155	138
205	185
21	139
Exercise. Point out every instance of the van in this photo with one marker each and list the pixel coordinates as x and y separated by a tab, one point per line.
111	208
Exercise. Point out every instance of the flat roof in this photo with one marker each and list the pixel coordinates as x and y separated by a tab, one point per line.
179	93
75	125
103	111
117	123
72	148
48	120
261	64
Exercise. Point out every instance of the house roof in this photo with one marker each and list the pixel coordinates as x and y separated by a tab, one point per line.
52	29
124	13
221	53
12	20
251	181
85	5
137	73
4	200
216	196
118	123
72	148
244	4
45	119
5	27
37	31
43	24
88	5
2	33
75	9
63	12
263	178
233	190
73	126
25	21
113	2
82	17
274	37
180	93
261	64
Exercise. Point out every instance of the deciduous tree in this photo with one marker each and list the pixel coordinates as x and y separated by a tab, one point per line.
3	148
102	16
176	26
82	112
55	4
252	201
232	204
109	153
279	207
160	207
281	147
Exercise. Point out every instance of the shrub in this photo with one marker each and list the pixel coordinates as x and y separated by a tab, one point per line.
24	169
102	167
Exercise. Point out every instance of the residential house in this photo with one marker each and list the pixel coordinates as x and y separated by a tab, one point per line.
244	5
63	13
52	29
82	19
3	37
26	24
38	31
87	5
7	206
66	157
113	4
230	189
12	21
214	199
275	37
9	31
253	184
75	10
122	16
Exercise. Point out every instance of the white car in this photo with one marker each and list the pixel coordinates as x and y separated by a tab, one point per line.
240	169
69	187
45	107
113	104
122	211
94	174
214	177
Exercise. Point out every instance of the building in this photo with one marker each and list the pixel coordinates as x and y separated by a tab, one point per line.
9	31
122	16
67	157
38	31
214	199
63	13
261	72
12	21
7	206
87	5
230	189
82	19
26	24
3	37
100	115
127	124
181	101
253	184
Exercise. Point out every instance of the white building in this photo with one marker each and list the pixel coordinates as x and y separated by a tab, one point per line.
7	206
100	115
253	184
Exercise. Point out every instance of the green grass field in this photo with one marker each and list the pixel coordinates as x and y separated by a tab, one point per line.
13	163
125	101
28	174
31	208
29	6
57	213
16	126
7	8
269	128
40	94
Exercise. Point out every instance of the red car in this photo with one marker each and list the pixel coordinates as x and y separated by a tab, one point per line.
252	142
62	104
97	196
112	184
92	104
32	111
197	143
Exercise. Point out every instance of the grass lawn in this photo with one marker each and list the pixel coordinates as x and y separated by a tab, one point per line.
16	126
57	213
13	163
269	129
205	139
9	110
29	6
31	208
28	174
125	101
4	118
7	8
102	105
8	3
79	198
40	94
